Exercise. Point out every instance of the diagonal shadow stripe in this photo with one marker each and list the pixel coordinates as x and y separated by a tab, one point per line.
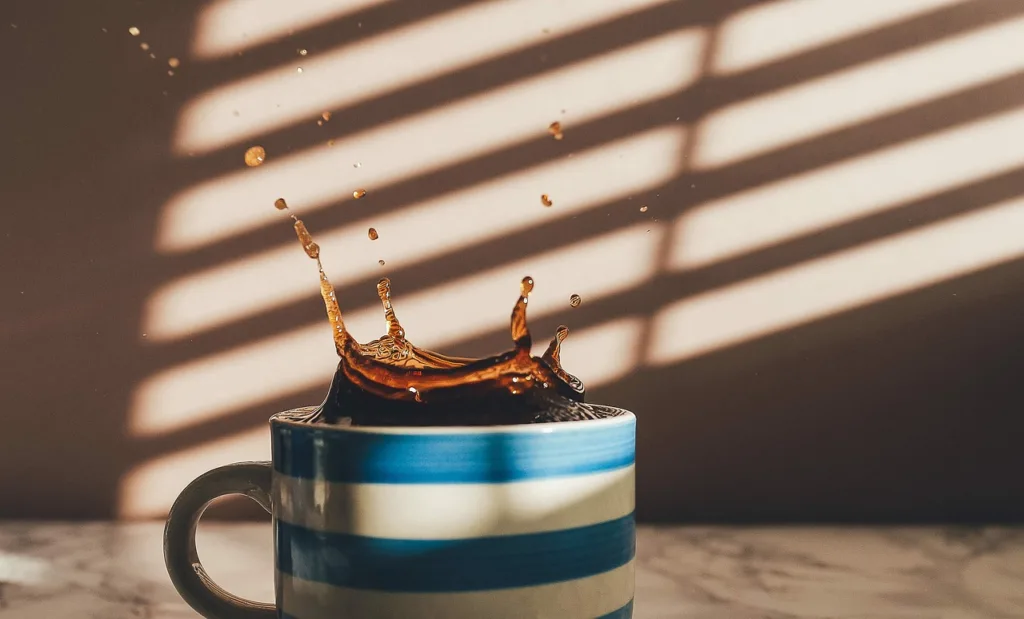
331	34
848	52
143	448
898	127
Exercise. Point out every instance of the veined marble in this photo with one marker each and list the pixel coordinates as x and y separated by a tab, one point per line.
115	571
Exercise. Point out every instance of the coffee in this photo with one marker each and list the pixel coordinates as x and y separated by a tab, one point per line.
389	381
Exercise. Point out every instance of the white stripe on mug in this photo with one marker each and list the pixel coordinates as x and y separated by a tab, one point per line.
455	511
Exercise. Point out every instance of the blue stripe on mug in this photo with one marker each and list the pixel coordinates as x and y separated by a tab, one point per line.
313	452
477	564
626	612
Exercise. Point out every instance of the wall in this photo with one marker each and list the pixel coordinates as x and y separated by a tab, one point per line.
817	316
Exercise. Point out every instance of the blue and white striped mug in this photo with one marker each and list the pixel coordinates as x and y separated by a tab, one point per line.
501	522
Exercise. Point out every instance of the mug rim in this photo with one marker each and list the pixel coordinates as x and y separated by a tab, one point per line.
548	427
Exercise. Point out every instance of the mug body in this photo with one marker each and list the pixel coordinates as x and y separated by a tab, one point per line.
530	521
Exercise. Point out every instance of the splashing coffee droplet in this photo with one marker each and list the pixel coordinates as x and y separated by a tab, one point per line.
302	51
372	233
545	199
389	381
144	46
173	62
255	156
326	116
575	300
358	193
643	209
280	204
308	245
134	31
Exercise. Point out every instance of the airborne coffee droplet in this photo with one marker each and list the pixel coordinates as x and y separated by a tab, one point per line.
173	62
302	52
326	116
545	199
575	300
526	286
358	193
380	262
280	204
255	156
144	46
134	31
643	209
372	233
555	129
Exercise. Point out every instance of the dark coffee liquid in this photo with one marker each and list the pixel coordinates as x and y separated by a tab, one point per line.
389	381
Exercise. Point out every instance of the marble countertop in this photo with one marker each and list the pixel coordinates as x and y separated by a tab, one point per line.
115	571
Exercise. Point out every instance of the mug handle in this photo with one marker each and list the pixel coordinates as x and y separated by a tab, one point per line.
190	579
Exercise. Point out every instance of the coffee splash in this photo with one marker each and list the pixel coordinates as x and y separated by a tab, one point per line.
390	381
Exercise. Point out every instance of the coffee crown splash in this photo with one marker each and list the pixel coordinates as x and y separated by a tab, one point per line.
389	380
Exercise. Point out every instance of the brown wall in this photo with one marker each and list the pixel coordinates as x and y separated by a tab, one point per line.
899	406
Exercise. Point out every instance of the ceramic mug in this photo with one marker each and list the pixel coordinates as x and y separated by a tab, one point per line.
496	522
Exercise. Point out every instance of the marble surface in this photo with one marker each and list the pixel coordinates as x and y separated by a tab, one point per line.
111	571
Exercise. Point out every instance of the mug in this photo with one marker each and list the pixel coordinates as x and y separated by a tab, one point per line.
497	522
